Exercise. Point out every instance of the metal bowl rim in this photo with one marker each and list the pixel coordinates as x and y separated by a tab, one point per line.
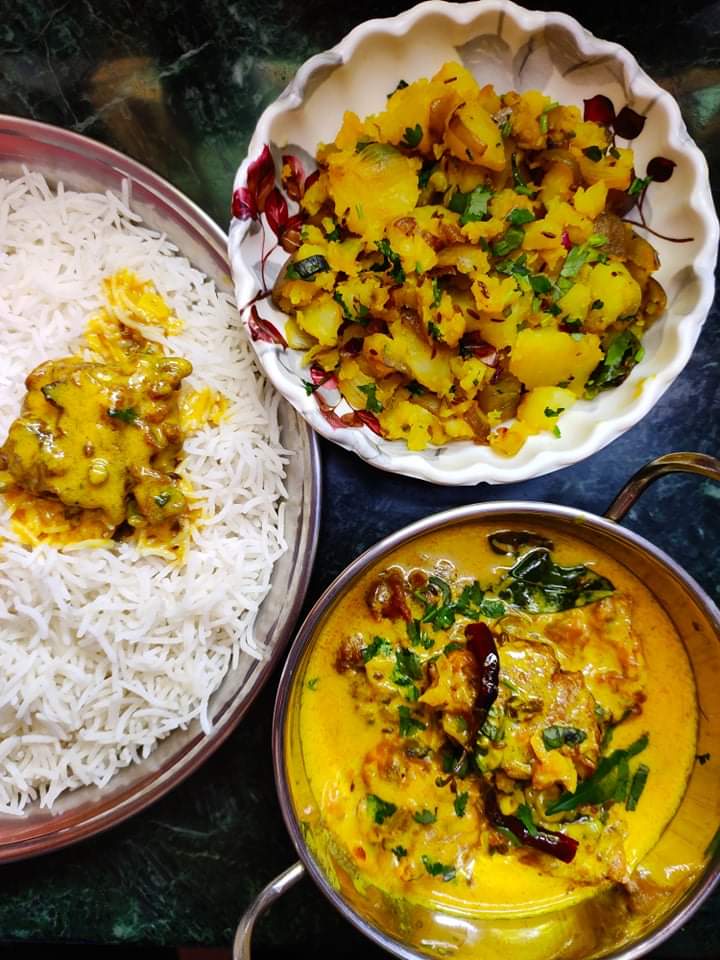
192	757
705	883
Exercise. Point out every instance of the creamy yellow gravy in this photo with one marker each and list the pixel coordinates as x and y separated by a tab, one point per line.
339	736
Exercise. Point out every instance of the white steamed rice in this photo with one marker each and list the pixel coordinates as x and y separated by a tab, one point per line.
103	652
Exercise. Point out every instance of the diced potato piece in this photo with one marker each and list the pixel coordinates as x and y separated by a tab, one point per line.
615	172
352	130
587	134
321	319
342	257
501	396
454	75
297	339
557	183
412	423
316	195
544	358
615	292
471	374
591	201
473	135
416	254
373	187
527	109
414	356
494	294
540	408
576	302
466	257
508	440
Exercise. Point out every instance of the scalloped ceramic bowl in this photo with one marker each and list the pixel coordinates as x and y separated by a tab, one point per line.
512	48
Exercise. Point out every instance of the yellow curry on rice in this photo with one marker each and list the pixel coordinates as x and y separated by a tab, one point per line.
95	451
462	264
484	723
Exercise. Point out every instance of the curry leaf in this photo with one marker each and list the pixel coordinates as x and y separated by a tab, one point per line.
605	782
379	809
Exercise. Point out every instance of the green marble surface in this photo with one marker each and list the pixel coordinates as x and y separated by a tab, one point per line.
179	85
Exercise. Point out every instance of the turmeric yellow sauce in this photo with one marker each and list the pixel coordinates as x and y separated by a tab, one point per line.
463	262
95	451
510	792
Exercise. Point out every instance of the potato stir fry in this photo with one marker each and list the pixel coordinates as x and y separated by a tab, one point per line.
461	273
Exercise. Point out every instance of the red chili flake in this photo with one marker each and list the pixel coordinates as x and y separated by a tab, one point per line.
321	378
276	211
629	124
328	412
566	241
293	176
660	169
261	329
472	344
599	109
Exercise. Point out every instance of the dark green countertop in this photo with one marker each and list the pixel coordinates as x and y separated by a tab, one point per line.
179	85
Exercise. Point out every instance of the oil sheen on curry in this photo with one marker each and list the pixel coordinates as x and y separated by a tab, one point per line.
485	718
95	451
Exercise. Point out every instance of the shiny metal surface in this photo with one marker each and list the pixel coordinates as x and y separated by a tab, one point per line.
697	620
83	164
267	896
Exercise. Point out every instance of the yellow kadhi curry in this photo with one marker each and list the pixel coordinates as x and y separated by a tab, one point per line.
485	719
96	449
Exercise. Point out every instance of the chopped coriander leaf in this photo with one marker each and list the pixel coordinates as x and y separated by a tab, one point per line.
333	235
407	667
476	203
519	215
312	684
509	241
417	636
492	609
437	293
506	128
291	273
415	388
514	268
425	174
509	836
558	736
580	255
540	283
407	723
399	852
434	330
371	401
436	869
338	298
390	260
378	646
614	153
412	136
637	786
162	499
593	153
524	815
604	782
549	412
597	305
379	809
460	803
126	415
425	816
556	432
454	645
519	184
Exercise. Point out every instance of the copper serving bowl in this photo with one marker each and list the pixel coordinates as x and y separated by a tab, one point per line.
83	164
579	930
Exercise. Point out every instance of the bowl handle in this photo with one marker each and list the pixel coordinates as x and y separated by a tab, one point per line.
700	463
267	896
